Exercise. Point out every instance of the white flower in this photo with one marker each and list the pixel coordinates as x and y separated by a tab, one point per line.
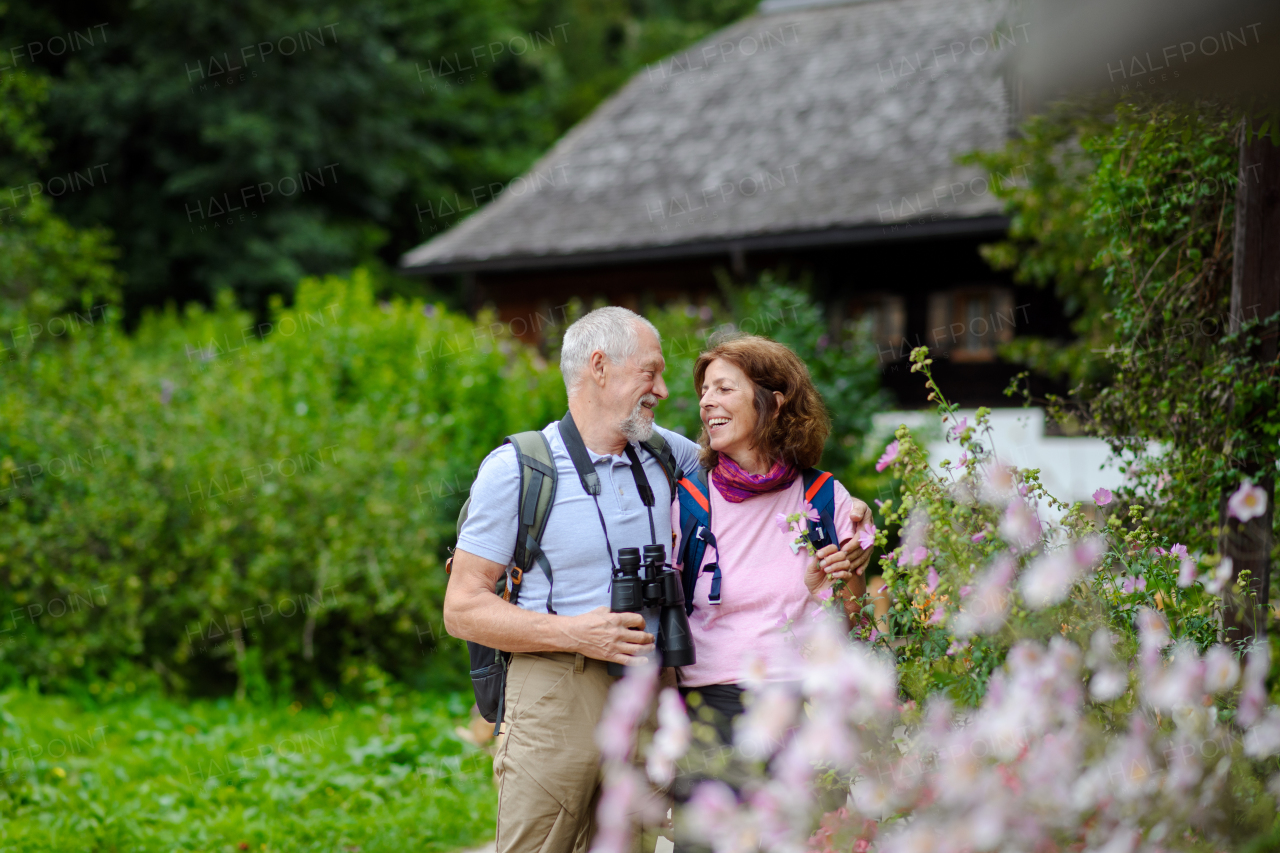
984	608
1049	579
671	740
1253	696
1020	525
1221	577
760	730
1221	669
1247	502
1186	572
1263	739
1179	683
1107	684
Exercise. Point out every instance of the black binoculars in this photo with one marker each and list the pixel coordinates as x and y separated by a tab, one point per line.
659	587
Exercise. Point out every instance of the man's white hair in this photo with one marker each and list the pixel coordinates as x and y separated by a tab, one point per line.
613	330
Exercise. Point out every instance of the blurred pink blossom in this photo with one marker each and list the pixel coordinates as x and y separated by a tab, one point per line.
932	580
867	536
985	607
1020	525
1102	497
671	740
890	454
1263	739
1221	669
1186	572
1253	694
1130	585
1247	502
783	525
627	704
1221	577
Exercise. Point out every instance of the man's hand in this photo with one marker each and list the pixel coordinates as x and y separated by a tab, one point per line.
828	566
860	515
613	637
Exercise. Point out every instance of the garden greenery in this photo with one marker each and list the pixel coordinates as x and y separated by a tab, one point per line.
1129	213
216	505
1048	678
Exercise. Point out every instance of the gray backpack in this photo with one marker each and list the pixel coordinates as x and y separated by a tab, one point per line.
537	494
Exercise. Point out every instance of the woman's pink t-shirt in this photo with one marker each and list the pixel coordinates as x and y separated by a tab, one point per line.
761	589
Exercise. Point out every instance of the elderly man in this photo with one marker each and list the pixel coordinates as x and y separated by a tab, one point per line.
561	630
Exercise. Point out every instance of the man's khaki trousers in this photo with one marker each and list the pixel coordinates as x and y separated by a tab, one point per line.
548	766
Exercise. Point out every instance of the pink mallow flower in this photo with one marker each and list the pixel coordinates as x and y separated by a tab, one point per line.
1130	585
933	579
960	427
1247	502
1102	497
809	512
783	524
1020	525
890	454
1186	572
867	536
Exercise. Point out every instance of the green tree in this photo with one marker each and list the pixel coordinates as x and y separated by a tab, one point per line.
47	267
248	144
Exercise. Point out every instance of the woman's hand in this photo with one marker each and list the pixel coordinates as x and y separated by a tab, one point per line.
828	566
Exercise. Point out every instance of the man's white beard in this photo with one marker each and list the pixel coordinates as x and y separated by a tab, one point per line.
638	427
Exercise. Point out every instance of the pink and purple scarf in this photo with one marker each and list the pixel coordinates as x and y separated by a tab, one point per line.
736	485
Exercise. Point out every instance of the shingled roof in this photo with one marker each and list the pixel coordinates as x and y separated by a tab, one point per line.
807	123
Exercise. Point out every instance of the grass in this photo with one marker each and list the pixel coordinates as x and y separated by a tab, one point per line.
153	774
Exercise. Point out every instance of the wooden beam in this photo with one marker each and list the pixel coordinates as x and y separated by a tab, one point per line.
1255	292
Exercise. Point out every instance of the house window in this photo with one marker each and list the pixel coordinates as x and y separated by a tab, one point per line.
969	322
885	317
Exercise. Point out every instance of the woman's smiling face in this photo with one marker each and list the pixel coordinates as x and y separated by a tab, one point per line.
729	410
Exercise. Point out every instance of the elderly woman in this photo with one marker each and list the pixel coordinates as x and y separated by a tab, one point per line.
764	426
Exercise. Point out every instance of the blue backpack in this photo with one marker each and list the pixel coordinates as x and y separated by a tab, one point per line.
696	535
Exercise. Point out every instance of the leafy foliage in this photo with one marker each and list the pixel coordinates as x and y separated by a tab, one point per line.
227	510
974	534
46	266
1131	214
221	505
381	110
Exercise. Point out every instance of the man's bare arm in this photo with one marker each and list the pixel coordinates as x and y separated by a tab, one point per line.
473	612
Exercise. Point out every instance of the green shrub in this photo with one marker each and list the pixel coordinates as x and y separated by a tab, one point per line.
226	510
221	506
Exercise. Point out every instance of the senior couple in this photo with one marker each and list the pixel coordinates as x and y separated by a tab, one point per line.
763	427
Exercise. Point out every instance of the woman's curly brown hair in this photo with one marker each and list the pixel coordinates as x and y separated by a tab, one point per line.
793	431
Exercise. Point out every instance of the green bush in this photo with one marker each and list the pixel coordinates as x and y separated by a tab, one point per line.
226	510
220	506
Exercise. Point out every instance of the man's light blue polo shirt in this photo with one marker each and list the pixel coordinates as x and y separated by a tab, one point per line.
574	541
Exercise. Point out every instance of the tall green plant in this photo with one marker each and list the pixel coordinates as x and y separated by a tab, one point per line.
1131	213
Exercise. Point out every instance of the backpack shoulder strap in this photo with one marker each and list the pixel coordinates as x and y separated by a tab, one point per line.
695	533
820	493
537	494
657	445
